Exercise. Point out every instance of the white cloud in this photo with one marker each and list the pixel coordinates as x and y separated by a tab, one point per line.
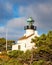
21	10
16	22
2	29
14	28
8	6
2	32
45	8
40	13
33	10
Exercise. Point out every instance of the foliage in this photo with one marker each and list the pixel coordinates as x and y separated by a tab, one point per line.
40	62
42	55
3	44
44	47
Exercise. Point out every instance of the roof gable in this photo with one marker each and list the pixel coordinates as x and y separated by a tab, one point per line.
24	37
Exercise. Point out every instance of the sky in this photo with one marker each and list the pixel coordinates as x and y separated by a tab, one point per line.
14	15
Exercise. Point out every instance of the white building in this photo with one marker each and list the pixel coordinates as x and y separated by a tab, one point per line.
24	43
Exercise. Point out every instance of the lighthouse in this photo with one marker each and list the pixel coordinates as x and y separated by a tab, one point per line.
24	43
30	28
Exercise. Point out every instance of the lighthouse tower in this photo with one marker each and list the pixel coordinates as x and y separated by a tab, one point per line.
24	43
30	28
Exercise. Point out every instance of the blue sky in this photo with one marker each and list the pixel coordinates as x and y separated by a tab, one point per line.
14	13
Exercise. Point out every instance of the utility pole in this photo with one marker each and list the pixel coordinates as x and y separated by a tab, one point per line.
6	39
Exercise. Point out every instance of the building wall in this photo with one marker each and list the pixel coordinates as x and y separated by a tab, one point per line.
29	32
25	44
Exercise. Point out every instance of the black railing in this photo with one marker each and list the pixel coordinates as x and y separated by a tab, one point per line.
30	27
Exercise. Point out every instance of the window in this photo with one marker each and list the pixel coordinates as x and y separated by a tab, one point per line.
18	47
25	45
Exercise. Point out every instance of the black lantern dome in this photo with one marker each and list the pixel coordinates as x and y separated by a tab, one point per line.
30	24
